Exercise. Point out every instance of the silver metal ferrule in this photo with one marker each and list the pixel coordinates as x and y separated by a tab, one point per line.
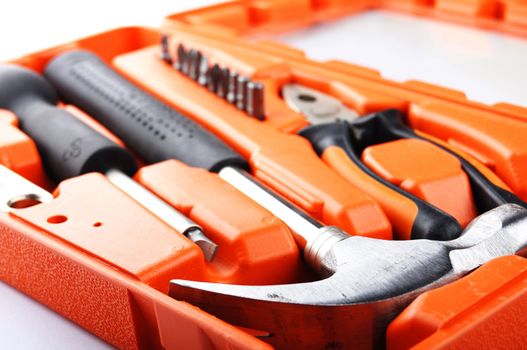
317	249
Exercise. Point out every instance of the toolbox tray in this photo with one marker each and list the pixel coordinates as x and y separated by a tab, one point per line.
107	267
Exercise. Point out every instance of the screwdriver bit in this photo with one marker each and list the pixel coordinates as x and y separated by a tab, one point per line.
215	74
241	92
238	90
165	51
185	66
203	68
181	58
233	84
255	100
195	62
223	85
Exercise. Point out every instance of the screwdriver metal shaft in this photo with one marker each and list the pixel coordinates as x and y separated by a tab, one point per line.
297	220
164	211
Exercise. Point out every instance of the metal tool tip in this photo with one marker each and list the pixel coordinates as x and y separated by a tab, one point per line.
223	83
203	68
207	246
165	50
181	57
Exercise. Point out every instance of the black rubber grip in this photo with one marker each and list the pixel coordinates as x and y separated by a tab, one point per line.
430	221
68	147
387	126
155	131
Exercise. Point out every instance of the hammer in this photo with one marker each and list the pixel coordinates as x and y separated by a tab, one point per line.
365	284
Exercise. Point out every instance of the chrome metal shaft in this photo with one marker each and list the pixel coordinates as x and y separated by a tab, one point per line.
163	211
305	228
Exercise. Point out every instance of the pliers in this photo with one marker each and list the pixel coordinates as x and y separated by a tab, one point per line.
337	128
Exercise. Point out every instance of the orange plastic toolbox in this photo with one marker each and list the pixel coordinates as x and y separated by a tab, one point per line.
106	263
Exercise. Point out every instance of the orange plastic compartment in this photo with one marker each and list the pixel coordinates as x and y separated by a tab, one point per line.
497	142
425	171
18	152
252	17
113	305
255	247
116	231
113	228
493	141
484	310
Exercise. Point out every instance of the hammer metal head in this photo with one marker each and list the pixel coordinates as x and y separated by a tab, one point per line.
370	281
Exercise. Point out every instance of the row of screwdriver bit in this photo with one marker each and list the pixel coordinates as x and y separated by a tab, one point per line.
245	94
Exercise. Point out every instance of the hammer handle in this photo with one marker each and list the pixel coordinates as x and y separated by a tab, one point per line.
152	129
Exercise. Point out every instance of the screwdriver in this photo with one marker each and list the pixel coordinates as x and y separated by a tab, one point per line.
156	132
69	147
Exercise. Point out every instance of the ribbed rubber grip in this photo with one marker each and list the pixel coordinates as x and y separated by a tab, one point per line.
155	131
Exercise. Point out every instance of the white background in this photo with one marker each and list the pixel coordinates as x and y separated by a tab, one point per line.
489	67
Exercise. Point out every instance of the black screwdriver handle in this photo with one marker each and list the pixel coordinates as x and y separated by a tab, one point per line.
68	147
152	129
